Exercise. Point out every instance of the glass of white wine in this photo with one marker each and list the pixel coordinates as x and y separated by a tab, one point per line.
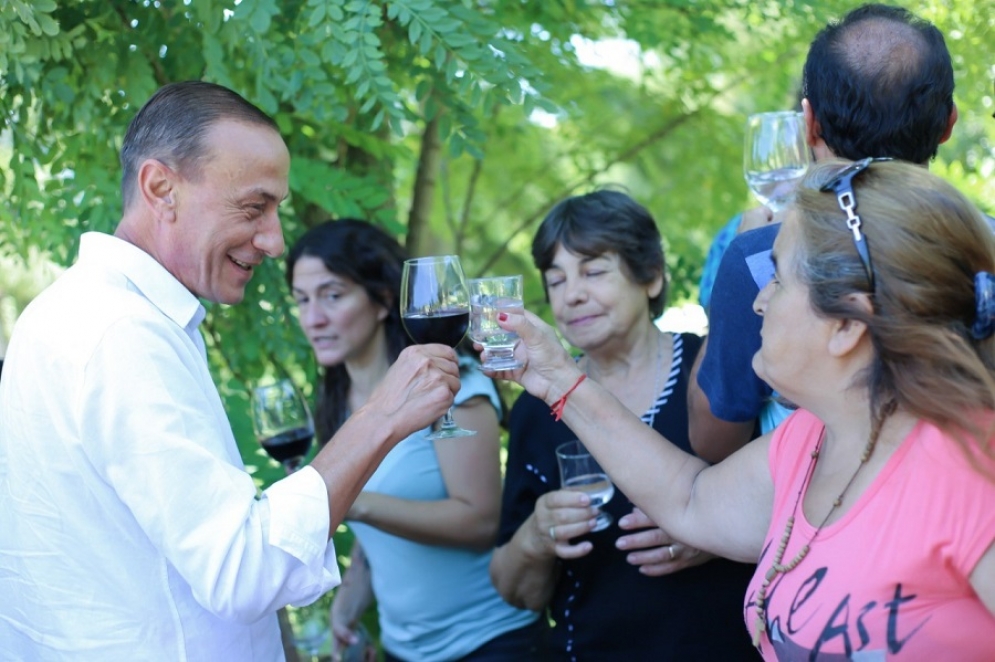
581	472
775	156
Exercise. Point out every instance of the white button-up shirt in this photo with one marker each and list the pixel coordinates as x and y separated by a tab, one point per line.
129	529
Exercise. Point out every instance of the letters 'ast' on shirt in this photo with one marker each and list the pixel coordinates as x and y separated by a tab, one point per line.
889	580
129	528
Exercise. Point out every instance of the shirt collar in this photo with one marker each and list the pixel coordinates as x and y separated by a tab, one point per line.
146	274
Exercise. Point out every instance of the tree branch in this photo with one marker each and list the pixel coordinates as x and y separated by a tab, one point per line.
624	155
471	190
627	153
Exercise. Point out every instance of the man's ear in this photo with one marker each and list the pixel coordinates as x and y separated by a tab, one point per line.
157	188
950	124
813	132
849	333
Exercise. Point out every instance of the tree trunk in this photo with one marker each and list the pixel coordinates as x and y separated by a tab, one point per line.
419	240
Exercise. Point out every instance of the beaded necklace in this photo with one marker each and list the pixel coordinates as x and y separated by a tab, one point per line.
779	568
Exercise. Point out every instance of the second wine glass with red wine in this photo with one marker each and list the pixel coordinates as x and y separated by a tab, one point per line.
283	423
435	308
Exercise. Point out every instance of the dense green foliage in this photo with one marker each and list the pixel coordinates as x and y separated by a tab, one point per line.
453	123
457	123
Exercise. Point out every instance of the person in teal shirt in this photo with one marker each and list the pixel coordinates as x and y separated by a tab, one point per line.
427	519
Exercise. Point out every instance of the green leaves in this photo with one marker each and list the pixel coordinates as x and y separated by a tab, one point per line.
532	102
336	191
35	15
258	13
454	48
28	34
353	26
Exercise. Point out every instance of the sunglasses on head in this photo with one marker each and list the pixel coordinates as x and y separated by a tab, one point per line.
842	186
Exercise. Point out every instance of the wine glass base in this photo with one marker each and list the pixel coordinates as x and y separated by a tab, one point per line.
604	520
499	365
451	433
293	464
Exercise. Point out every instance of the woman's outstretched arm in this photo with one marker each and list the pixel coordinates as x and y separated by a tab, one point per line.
724	508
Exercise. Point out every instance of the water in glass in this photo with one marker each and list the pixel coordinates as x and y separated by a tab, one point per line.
580	471
776	156
490	297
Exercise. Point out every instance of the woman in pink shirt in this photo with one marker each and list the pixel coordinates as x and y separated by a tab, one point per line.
871	511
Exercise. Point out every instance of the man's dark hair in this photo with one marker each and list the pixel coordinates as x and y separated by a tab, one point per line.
601	222
880	83
171	126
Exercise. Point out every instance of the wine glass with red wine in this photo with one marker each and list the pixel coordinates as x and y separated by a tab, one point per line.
283	424
435	308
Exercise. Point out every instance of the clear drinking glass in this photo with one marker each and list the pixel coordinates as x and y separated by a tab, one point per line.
488	298
311	629
580	471
435	308
283	424
362	650
775	156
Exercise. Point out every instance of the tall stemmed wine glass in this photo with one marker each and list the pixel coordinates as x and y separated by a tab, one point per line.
776	156
435	308
283	424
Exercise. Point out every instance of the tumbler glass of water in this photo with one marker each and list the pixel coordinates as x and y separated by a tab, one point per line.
775	156
488	298
580	471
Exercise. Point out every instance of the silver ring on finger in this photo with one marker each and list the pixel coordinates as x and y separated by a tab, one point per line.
670	548
552	533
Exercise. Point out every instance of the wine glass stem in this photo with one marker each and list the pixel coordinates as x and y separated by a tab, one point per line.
447	420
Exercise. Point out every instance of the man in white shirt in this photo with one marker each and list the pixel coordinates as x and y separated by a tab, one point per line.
129	528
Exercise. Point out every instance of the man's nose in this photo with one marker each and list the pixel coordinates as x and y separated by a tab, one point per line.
269	239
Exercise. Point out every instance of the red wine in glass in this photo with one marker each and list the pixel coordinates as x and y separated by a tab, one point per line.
435	308
285	446
283	423
446	327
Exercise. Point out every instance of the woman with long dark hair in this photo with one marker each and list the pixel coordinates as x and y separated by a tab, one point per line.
426	521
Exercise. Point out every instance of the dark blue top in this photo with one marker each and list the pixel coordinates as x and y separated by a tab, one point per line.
603	608
726	376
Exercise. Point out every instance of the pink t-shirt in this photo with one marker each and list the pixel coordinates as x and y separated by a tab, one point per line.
889	580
